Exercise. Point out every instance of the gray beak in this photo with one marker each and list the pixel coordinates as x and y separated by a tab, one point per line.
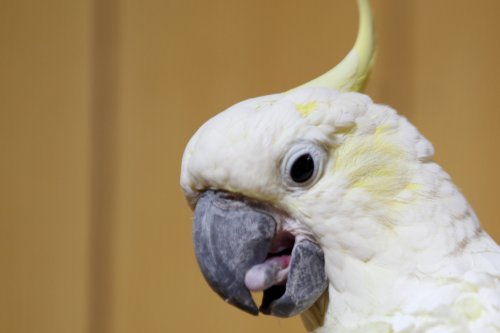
231	236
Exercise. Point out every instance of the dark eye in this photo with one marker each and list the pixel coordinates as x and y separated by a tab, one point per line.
302	169
303	164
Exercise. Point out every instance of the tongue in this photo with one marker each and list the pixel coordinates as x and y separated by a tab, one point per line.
274	271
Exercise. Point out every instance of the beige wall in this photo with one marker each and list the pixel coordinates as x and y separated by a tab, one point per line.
97	101
45	171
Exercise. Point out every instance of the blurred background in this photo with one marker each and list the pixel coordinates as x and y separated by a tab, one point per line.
99	98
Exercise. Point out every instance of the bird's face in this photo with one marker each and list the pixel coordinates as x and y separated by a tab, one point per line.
273	180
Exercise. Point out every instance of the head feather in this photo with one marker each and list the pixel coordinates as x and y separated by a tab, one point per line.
352	72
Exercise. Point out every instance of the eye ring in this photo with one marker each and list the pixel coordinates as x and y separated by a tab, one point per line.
303	164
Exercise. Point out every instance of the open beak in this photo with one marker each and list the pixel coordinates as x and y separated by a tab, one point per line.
240	247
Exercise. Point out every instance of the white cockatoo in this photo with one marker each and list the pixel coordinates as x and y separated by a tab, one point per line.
334	208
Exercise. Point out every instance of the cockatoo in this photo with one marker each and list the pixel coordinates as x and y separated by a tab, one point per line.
333	206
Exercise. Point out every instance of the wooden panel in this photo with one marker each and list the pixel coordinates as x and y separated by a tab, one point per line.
44	165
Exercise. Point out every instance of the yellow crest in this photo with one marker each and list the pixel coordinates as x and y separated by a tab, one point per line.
352	72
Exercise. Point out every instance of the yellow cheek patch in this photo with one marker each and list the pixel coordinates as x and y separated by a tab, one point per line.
375	164
307	108
412	187
381	130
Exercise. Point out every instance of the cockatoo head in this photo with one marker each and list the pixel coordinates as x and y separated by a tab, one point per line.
275	180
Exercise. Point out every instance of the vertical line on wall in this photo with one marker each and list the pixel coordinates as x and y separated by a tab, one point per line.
395	64
105	36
